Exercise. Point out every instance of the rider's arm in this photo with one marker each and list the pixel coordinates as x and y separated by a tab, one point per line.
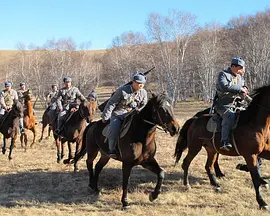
226	85
2	101
144	100
80	95
59	100
111	104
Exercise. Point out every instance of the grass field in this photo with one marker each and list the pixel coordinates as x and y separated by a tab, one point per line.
34	184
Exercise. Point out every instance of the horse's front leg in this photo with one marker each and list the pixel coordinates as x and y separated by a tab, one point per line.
126	169
58	146
256	179
11	148
4	146
70	155
154	167
34	130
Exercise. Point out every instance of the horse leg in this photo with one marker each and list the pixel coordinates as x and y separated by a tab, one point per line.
62	149
58	146
42	132
49	131
25	140
256	179
78	147
126	169
34	131
219	173
99	166
4	146
153	166
209	167
70	155
192	152
89	163
11	148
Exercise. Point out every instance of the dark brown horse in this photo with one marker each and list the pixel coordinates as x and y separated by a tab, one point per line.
249	138
45	122
10	126
72	131
181	143
137	147
29	120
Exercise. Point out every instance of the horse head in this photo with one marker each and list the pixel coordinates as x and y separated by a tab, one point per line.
27	95
85	111
162	113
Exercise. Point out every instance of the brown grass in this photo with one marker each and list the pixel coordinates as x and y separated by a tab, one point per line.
34	184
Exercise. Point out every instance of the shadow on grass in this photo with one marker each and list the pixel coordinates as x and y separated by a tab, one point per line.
36	187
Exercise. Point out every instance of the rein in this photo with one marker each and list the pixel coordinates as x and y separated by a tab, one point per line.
263	107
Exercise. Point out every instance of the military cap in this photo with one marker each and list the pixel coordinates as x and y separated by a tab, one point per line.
8	84
67	79
139	78
22	83
238	61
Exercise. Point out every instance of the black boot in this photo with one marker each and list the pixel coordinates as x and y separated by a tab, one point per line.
112	151
225	145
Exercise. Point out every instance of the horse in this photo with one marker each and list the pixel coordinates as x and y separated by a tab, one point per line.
72	131
137	146
182	141
29	120
10	126
45	122
250	139
93	105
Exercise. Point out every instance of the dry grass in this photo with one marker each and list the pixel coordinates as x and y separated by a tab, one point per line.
34	184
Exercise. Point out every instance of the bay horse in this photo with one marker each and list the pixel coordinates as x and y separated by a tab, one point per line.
29	120
10	126
138	145
72	131
250	139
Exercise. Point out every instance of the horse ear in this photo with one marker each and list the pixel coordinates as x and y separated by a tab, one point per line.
152	93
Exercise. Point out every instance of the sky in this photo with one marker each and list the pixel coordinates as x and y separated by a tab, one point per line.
99	21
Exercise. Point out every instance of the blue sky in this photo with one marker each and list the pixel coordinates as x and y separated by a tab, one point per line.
36	21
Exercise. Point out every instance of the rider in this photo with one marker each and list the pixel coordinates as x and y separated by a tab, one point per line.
51	96
7	98
92	96
229	85
125	99
66	101
20	92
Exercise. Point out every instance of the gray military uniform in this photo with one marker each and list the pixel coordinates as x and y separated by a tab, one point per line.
20	95
122	101
228	87
66	99
7	98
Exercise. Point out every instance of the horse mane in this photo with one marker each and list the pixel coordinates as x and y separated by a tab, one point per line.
257	97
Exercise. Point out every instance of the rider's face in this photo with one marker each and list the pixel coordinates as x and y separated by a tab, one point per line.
67	84
137	86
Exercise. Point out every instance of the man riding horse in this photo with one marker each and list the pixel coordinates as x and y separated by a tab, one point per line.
66	102
7	98
229	85
124	100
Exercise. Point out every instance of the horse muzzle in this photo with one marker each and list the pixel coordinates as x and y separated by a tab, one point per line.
173	128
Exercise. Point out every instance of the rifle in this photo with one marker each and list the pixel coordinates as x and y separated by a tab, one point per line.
101	107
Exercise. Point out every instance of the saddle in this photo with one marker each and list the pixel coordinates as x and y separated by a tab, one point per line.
214	123
123	130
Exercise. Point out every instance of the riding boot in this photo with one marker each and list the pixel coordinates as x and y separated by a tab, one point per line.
225	145
112	151
21	125
57	131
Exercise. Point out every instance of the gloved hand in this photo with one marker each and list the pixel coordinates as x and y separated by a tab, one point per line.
73	109
133	104
105	121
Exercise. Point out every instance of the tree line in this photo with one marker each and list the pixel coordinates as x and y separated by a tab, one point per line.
187	57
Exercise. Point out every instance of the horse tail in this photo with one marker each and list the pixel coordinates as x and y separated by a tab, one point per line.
181	144
83	149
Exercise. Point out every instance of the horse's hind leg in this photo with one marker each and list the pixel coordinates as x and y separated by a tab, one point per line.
153	166
126	169
93	180
34	130
11	148
192	152
219	173
209	167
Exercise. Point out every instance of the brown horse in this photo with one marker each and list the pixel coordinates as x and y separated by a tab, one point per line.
10	125
45	122
29	120
249	138
137	147
72	131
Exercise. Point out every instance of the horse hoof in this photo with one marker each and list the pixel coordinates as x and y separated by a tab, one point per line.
265	186
76	170
126	207
39	140
217	189
266	208
187	187
4	151
152	197
66	161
